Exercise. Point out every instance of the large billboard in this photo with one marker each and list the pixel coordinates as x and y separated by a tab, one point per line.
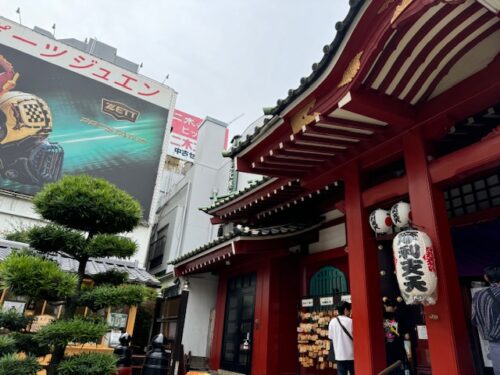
63	111
184	136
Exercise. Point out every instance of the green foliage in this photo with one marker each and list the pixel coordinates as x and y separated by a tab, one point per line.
123	295
28	343
20	235
89	204
36	277
106	245
77	330
13	365
14	321
54	238
7	345
111	277
88	364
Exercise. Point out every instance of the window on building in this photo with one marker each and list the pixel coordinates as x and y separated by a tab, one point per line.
157	248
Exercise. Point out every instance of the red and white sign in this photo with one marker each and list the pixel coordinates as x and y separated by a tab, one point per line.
184	136
55	52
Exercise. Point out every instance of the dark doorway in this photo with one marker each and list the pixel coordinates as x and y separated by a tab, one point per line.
238	324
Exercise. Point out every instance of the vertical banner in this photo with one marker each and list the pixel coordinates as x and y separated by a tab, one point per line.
184	136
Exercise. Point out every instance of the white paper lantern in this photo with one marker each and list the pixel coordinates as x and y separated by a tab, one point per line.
401	214
380	221
415	267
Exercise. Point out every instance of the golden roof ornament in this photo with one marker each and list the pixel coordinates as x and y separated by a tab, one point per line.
351	70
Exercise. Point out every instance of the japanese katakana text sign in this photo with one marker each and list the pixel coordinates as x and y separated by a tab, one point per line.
63	111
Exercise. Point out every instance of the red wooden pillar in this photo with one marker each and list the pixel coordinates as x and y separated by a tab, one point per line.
369	348
448	342
220	306
260	353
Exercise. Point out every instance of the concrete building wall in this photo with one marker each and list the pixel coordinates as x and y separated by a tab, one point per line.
201	302
190	227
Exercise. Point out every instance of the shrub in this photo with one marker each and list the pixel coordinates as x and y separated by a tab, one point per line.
111	277
88	364
106	245
36	277
28	343
19	235
13	365
123	295
77	330
7	345
14	321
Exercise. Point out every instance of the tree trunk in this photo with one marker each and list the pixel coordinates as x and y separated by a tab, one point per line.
71	305
55	360
69	313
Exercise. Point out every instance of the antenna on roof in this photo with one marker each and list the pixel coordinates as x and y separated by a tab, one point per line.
164	79
18	11
236	118
54	28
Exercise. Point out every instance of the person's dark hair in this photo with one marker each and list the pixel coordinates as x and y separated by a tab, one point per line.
343	307
493	273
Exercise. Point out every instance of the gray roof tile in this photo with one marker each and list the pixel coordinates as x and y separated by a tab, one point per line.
94	265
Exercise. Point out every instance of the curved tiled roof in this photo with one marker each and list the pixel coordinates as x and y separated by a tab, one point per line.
95	265
252	185
329	52
241	231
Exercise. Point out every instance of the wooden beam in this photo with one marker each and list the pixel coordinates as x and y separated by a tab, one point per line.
476	217
449	169
277	172
306	150
333	135
304	164
385	191
466	98
282	154
381	107
323	121
474	159
321	144
241	165
330	130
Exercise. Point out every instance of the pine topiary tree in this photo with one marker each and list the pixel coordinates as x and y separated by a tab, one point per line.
86	215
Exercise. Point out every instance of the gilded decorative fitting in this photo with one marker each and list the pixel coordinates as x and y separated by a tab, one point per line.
352	70
400	9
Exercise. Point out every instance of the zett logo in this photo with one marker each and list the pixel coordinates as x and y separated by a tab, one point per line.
119	111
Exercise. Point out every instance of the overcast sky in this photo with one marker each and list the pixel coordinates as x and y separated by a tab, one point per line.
223	57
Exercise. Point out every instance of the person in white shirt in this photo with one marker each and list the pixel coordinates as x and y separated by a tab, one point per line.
340	332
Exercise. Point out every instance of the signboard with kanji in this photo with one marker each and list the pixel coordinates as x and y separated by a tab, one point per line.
184	136
63	111
117	320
